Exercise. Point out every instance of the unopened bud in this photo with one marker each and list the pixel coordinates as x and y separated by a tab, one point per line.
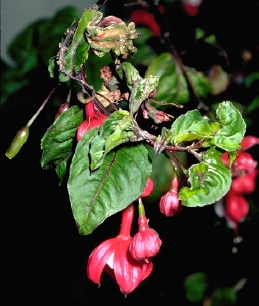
17	143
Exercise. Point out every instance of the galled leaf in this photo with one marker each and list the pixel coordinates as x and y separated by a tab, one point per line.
190	126
57	142
209	181
120	180
233	127
113	132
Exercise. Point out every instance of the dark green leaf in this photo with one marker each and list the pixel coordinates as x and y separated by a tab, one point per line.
172	85
195	286
200	83
209	181
118	182
224	297
61	168
57	143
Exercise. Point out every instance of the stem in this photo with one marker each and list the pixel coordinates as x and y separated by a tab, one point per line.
126	220
141	208
30	122
69	95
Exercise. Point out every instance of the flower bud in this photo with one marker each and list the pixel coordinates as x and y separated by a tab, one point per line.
169	203
17	143
62	108
236	206
146	243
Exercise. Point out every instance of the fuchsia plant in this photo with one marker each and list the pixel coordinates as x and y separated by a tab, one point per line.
105	148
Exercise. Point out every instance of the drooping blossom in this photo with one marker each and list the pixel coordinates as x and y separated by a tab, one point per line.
113	256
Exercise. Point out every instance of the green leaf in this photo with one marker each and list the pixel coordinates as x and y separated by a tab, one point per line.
118	182
233	127
195	286
172	85
57	143
224	297
113	132
128	72
190	126
78	50
199	82
209	181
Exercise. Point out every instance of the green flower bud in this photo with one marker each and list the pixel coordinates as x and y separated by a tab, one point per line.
17	143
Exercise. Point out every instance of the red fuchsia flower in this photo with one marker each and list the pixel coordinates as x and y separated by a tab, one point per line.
248	142
146	243
246	183
113	256
169	203
148	188
244	175
93	119
236	206
144	18
191	7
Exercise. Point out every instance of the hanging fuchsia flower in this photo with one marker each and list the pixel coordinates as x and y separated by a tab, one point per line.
244	175
113	256
236	207
169	203
146	243
144	18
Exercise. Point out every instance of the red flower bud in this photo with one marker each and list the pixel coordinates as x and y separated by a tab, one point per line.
146	243
62	108
148	188
236	206
169	203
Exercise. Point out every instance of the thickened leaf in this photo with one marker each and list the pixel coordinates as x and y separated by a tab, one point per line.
113	132
210	180
57	143
78	50
190	126
233	130
119	181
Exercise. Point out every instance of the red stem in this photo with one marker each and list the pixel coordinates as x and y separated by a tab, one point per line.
126	220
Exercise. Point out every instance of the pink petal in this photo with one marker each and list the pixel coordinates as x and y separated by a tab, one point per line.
98	259
248	142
